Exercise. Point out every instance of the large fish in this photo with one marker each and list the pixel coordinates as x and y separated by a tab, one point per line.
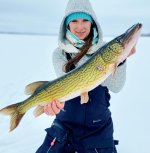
78	82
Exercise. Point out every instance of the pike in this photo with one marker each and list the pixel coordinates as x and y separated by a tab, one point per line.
79	81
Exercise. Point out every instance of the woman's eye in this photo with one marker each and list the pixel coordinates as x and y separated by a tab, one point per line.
74	21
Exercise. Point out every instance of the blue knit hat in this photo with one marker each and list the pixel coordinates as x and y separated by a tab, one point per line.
78	15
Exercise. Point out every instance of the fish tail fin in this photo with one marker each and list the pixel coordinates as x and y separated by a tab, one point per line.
14	114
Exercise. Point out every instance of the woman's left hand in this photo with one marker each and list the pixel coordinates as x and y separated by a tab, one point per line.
133	51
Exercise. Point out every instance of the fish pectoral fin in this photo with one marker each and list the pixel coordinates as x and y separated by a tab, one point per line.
84	97
114	68
38	111
31	88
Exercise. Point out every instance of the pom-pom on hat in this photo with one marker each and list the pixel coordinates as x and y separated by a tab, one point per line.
78	15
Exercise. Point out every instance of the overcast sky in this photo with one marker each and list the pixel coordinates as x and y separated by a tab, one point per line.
44	16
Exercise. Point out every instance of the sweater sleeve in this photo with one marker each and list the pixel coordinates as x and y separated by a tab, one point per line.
115	83
59	61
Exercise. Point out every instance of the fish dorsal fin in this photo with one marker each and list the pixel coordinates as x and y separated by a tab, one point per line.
84	97
31	88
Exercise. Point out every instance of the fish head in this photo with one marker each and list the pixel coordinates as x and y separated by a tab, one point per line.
128	40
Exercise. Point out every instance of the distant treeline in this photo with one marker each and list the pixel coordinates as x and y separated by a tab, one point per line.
145	34
55	34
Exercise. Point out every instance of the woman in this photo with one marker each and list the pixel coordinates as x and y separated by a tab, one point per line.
82	128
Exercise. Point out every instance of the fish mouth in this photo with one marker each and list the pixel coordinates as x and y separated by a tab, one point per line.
128	41
132	34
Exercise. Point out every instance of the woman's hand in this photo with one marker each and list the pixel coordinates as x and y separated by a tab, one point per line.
53	107
133	51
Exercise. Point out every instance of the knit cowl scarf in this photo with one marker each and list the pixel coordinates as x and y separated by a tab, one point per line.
78	43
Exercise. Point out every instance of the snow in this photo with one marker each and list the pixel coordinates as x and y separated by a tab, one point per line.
27	58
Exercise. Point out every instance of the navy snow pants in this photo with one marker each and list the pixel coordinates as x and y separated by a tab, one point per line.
59	140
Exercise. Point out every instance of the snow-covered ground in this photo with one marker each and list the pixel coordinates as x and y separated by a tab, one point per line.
27	58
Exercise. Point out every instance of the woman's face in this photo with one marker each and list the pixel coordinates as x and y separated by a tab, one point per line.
80	27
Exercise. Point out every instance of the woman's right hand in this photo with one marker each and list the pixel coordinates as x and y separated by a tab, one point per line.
53	107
